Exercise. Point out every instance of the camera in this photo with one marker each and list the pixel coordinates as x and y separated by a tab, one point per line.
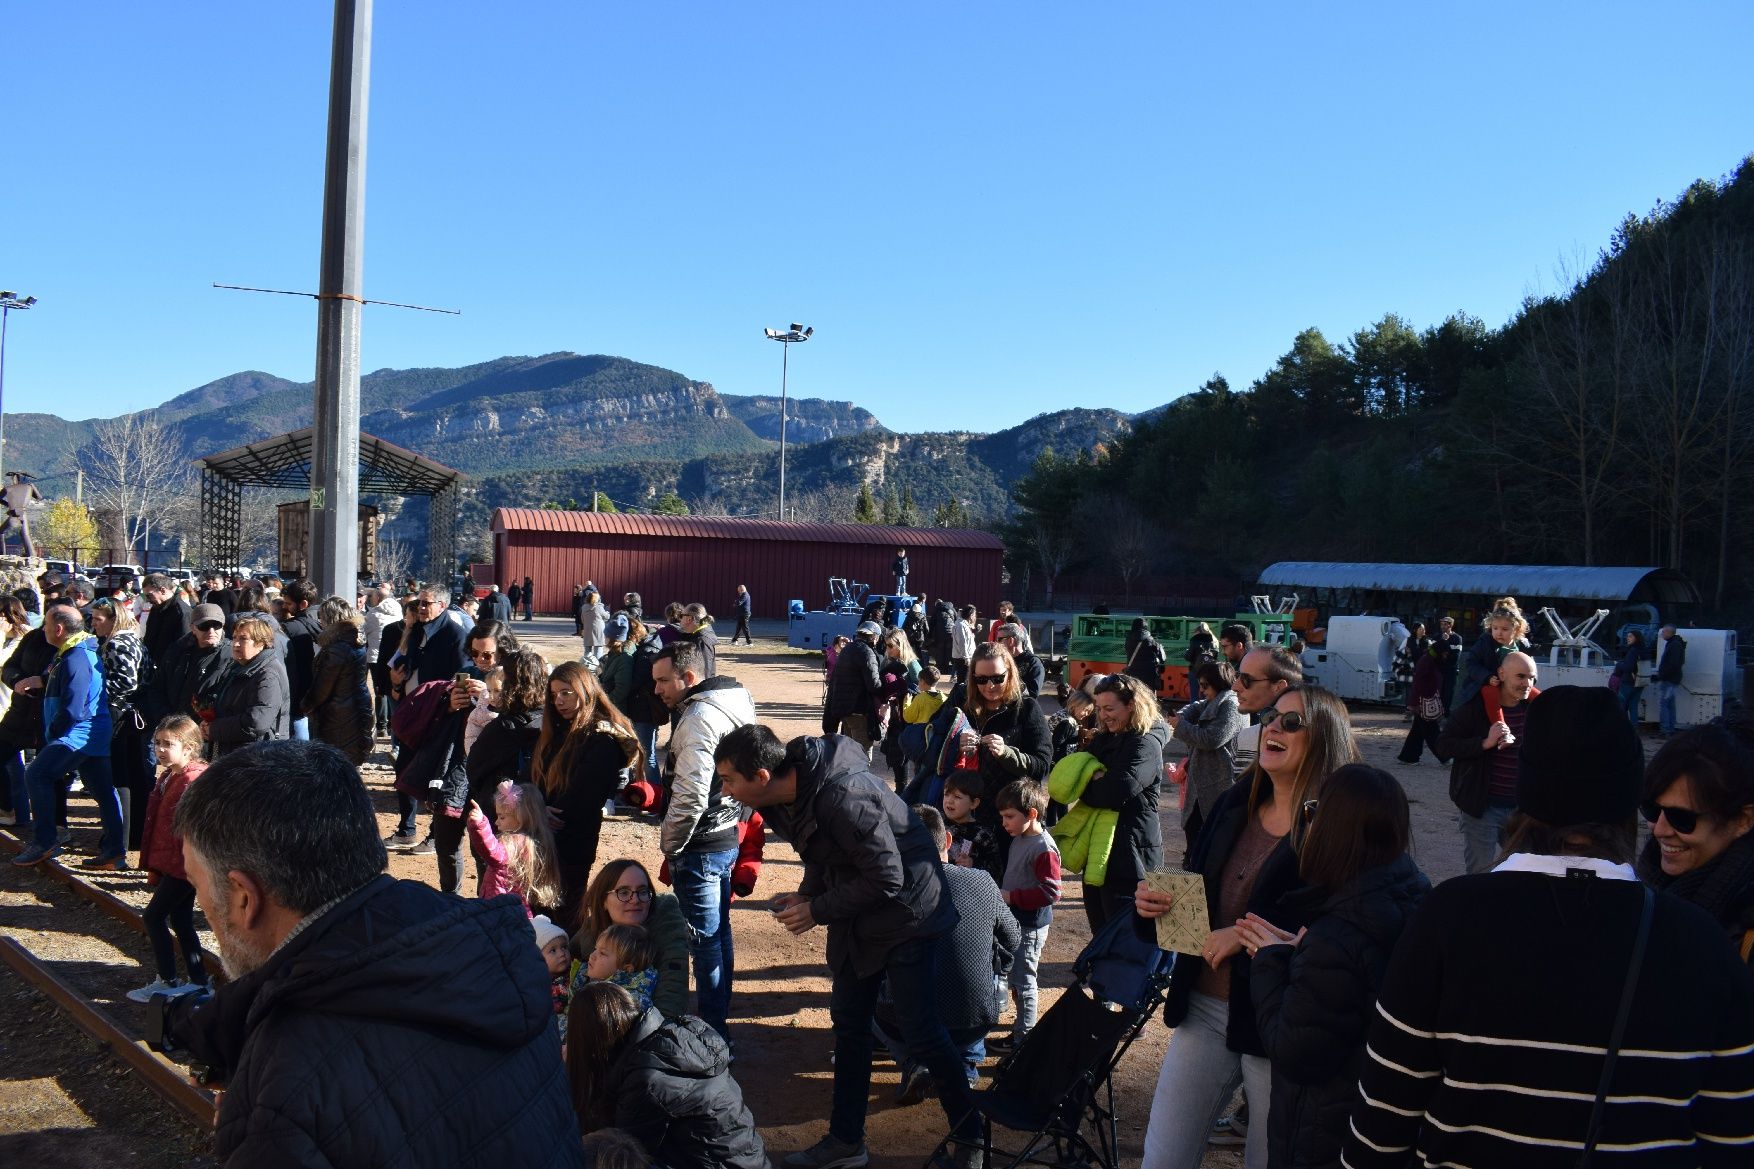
162	1015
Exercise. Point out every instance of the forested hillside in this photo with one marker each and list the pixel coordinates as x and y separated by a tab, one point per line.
1610	423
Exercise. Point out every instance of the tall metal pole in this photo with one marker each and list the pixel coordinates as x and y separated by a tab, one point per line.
4	310
785	362
334	553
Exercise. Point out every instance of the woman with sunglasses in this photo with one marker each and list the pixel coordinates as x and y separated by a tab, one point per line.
1247	854
1699	800
1010	735
621	894
1314	991
1129	742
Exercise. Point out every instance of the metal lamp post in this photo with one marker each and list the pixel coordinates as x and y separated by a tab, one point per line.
797	334
8	302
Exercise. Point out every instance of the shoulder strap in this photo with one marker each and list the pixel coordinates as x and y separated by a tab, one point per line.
1596	1111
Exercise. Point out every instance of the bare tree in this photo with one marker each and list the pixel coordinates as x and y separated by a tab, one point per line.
135	469
395	558
1129	540
1735	369
1054	546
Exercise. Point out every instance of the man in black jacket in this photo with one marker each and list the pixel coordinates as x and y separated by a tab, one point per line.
430	1016
301	648
1030	672
872	876
188	664
850	707
1482	780
168	620
1671	659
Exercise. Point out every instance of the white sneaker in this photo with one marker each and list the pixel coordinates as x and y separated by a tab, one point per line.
175	988
8	818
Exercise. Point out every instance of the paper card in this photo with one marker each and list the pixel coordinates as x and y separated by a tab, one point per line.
1185	927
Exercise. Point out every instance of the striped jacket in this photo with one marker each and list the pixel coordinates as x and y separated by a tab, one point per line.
1495	1015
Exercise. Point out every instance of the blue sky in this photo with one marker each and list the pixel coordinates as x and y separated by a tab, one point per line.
986	210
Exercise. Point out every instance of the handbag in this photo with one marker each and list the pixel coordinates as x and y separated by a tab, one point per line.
1614	681
1431	708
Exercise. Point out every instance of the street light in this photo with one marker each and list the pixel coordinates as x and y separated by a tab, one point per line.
797	334
8	302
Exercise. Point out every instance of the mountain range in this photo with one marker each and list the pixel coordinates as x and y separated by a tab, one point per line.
530	431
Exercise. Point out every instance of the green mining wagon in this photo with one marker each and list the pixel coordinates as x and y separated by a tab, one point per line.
1098	644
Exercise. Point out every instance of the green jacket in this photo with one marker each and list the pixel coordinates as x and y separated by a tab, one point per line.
1086	835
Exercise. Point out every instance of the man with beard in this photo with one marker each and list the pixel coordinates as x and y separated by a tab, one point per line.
429	1016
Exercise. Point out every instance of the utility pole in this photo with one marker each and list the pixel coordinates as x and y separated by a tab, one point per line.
334	557
79	486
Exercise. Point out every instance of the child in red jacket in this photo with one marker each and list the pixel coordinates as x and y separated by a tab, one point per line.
177	743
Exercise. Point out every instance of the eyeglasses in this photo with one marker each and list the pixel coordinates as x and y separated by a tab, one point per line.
1289	721
642	895
1682	820
989	679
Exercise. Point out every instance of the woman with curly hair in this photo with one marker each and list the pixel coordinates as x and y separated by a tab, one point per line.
582	751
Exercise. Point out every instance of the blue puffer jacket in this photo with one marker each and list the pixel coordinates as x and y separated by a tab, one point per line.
403	1028
76	712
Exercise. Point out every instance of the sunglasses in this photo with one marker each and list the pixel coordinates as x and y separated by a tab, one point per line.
1249	681
989	679
642	895
1682	820
1309	810
1289	721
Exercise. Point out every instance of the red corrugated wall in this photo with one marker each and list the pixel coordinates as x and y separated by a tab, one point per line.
671	568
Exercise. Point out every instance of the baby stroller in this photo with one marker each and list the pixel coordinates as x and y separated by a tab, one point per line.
1057	1088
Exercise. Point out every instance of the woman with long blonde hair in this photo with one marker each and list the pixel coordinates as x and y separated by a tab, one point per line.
582	754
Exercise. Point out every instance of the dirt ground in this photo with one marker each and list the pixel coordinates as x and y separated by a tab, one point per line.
63	1102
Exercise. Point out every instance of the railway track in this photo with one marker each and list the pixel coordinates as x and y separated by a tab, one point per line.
167	1079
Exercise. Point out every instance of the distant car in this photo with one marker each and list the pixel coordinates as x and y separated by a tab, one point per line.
64	567
116	576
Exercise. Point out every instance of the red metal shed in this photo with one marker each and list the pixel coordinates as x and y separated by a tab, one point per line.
705	558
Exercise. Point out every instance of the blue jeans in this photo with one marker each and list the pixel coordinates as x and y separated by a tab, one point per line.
703	886
647	734
911	970
1199	1076
1666	692
45	776
1483	836
301	729
1023	989
1629	695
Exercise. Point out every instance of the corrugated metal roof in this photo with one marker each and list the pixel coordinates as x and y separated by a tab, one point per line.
524	519
285	461
1486	580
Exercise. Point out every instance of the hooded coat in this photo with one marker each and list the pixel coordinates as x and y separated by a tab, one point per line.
671	1089
1314	1002
871	871
401	1027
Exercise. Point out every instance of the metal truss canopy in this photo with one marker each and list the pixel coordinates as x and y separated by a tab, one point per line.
284	463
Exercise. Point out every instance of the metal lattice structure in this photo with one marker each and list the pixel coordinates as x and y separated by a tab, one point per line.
284	463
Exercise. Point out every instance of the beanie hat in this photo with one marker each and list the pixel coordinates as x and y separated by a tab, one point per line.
546	931
869	629
616	628
1578	760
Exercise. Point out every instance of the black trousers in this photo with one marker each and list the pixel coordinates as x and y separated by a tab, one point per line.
172	909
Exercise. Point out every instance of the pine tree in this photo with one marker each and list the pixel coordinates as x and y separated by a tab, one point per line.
670	503
950	514
889	507
865	510
909	515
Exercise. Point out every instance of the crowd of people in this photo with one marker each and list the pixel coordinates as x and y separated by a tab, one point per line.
1570	997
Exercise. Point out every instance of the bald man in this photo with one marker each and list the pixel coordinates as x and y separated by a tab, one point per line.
1482	779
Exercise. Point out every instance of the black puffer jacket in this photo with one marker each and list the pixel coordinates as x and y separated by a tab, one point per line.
870	868
1314	1003
252	704
1131	784
338	704
403	1027
176	680
853	687
672	1090
502	751
22	726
